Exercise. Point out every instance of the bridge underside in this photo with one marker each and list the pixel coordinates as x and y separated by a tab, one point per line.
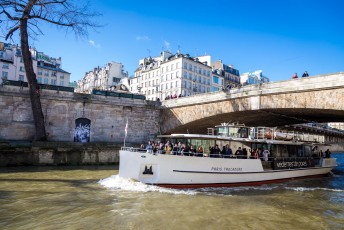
267	117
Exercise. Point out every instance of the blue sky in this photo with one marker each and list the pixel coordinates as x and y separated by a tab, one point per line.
278	37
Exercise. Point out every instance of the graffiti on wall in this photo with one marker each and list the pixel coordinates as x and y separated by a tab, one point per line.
82	130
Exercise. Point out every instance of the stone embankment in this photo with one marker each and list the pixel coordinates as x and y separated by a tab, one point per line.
21	153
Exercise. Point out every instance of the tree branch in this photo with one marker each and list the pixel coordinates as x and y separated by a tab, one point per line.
10	33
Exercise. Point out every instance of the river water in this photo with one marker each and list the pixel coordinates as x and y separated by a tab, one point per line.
96	198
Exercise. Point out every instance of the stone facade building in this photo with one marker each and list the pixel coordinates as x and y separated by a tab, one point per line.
252	78
103	78
48	70
228	72
174	75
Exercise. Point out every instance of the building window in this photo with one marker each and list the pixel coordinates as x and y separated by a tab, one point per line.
177	65
185	65
215	79
5	66
21	77
61	83
46	81
46	73
40	73
53	81
185	74
61	76
4	75
1	54
116	79
21	69
172	66
190	67
21	60
39	80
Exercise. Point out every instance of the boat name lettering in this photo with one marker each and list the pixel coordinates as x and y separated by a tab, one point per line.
224	169
280	164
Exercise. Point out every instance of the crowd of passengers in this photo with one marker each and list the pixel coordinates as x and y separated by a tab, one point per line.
214	151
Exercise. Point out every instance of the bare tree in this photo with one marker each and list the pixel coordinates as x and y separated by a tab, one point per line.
25	16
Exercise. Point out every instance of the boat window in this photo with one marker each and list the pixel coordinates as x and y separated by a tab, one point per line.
238	132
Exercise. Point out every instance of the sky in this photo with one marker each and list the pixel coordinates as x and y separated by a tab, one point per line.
278	37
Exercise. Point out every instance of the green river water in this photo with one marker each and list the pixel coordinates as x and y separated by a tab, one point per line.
94	197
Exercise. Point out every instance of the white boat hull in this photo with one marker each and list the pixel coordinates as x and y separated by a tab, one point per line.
189	171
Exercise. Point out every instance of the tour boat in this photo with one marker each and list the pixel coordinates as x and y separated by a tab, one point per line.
287	160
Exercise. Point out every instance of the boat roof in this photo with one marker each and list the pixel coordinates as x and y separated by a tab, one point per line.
225	138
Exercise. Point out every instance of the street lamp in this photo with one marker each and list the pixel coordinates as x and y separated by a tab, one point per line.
194	86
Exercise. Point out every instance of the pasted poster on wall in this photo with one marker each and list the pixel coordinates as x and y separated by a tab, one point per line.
82	130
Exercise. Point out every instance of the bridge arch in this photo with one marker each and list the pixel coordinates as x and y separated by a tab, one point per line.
313	99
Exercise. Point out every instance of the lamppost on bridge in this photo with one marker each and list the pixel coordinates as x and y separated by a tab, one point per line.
194	86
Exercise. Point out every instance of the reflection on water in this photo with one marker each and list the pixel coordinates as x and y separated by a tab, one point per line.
97	198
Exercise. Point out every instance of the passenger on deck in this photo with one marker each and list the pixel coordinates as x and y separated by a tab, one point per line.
192	150
168	148
161	148
216	152
200	151
266	154
254	154
238	153
259	153
149	147
227	152
244	153
175	149
185	150
328	153
315	151
154	147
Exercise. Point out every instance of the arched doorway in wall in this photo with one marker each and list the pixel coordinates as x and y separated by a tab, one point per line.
82	130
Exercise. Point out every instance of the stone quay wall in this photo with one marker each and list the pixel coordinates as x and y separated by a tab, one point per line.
25	153
108	116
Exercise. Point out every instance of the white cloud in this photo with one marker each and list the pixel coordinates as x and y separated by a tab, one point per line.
142	38
94	44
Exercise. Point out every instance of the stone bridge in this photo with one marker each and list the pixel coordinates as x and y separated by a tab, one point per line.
312	99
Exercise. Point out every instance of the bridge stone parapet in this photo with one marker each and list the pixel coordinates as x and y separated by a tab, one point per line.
108	116
318	98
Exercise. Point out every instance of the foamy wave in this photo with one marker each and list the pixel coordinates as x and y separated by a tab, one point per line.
117	182
303	189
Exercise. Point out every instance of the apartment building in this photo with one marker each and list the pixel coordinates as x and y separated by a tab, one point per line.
48	70
173	75
255	77
103	78
228	72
